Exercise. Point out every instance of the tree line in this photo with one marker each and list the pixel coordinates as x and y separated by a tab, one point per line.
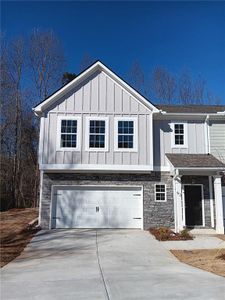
31	69
164	87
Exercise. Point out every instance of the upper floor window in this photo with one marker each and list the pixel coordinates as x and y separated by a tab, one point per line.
125	134
68	133
179	135
160	192
96	138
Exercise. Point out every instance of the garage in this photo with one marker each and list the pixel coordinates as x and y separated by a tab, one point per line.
97	207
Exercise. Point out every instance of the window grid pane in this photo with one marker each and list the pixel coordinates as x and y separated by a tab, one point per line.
160	192
179	134
97	134
68	134
125	134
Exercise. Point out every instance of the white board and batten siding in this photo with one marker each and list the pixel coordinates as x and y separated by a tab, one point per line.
162	132
217	139
102	97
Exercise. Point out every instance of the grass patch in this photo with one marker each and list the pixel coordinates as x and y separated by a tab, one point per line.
211	260
166	234
16	232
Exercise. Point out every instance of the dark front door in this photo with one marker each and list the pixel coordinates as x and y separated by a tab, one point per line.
193	204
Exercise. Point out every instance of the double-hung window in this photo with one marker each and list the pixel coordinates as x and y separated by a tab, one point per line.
68	133
125	138
96	138
179	135
160	192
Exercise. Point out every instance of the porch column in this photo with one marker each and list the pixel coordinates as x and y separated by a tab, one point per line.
178	204
218	204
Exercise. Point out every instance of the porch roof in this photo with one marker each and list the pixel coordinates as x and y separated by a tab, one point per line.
201	161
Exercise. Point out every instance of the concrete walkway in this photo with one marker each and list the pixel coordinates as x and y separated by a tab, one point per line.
104	264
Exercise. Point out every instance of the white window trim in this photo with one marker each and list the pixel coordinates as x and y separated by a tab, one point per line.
87	134
165	192
135	140
58	138
173	145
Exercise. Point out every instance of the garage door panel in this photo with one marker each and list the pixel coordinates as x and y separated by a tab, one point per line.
99	207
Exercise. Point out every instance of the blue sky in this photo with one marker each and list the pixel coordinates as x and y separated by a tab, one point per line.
175	35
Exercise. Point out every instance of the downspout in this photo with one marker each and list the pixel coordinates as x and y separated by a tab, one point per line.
207	137
175	199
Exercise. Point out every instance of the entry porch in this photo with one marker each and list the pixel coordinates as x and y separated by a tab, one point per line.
197	185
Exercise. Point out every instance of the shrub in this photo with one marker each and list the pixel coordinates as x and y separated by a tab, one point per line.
166	234
161	233
185	234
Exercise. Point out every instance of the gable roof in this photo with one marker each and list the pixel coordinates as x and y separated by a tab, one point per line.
194	161
193	109
97	66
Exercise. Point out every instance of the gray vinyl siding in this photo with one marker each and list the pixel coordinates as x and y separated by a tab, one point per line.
97	96
162	140
217	139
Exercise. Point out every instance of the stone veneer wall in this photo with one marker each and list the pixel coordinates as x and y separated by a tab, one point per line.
205	181
155	213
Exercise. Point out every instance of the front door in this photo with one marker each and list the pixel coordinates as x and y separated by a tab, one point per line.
193	205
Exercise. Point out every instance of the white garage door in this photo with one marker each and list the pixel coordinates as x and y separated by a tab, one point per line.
97	207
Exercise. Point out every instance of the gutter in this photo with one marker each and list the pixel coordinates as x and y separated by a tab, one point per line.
175	199
207	136
201	168
222	113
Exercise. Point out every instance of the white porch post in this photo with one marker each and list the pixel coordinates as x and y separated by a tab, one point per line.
178	204
218	204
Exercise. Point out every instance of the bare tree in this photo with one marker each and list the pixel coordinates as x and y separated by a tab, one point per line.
199	91
213	99
185	88
46	62
163	85
137	78
13	61
15	161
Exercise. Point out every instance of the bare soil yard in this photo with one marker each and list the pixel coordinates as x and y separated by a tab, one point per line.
15	232
212	260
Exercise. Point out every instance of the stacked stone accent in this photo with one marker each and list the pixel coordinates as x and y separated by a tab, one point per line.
155	213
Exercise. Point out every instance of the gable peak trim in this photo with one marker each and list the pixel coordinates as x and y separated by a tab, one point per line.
96	66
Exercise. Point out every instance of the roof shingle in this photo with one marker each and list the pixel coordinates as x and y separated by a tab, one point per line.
192	108
194	161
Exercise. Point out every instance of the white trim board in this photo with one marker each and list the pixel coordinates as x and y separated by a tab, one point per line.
135	134
172	126
98	66
78	134
92	167
87	133
160	183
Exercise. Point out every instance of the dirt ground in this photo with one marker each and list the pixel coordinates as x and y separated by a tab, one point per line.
212	260
15	234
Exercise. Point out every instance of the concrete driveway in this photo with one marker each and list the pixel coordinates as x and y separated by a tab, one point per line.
104	264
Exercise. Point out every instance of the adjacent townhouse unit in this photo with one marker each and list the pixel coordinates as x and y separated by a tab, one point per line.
109	158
